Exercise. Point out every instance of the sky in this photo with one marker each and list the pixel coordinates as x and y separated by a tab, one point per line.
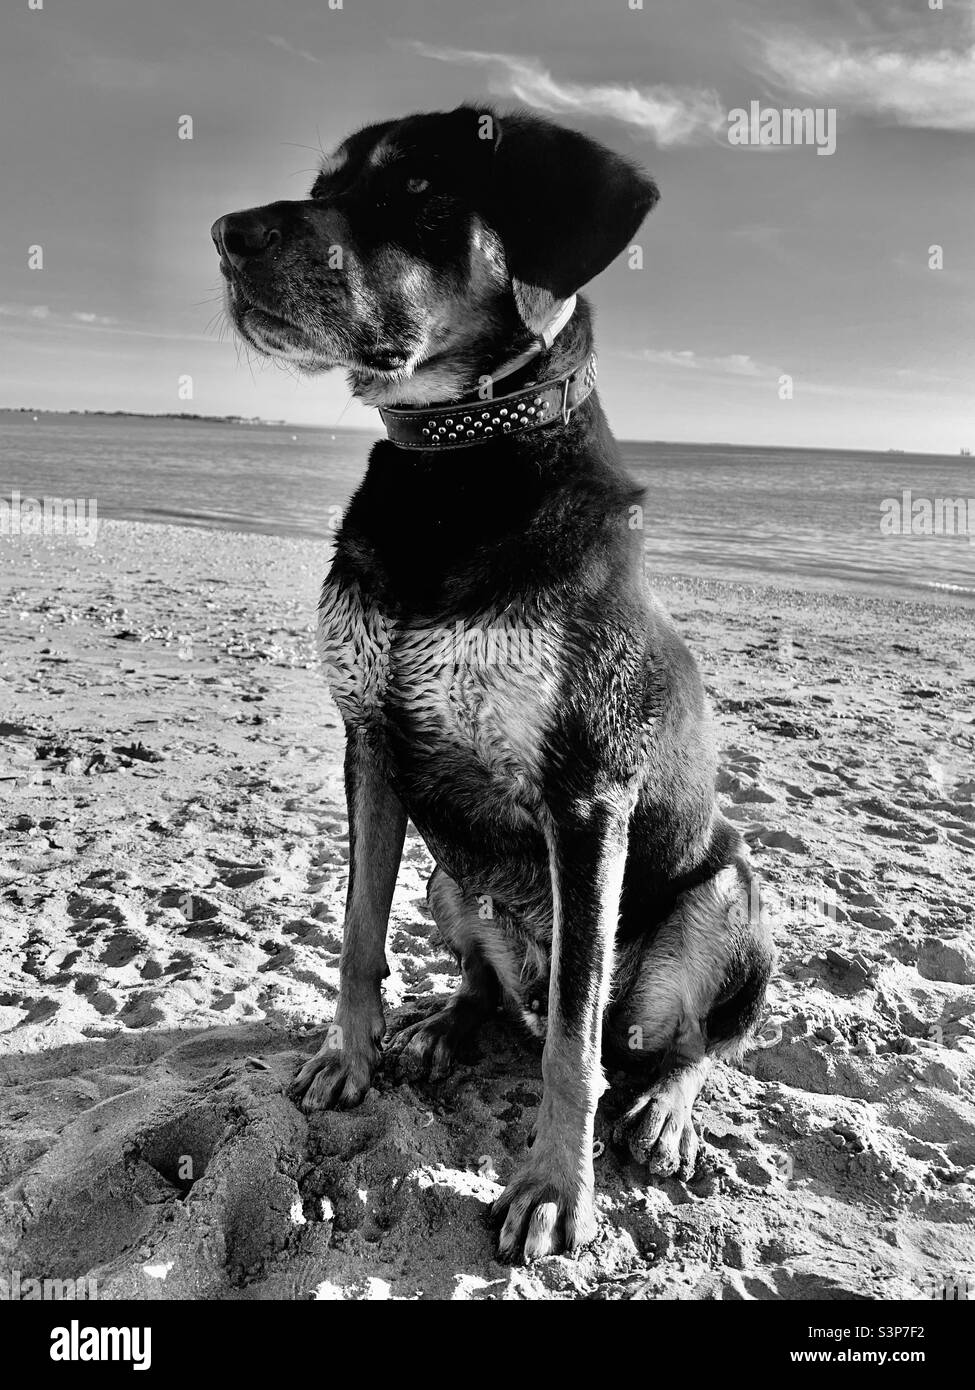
785	296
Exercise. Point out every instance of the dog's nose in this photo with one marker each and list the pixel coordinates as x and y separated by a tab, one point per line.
243	236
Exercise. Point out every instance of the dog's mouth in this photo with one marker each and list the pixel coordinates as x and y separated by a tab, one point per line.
317	342
273	328
280	338
272	334
254	320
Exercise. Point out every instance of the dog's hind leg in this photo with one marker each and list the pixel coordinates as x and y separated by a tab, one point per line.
428	1048
691	995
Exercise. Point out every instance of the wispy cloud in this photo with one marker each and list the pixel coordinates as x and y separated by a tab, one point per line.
733	364
117	72
42	313
669	115
744	367
287	47
25	316
768	239
933	89
84	317
25	311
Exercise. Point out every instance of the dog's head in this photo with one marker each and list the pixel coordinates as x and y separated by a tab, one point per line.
423	240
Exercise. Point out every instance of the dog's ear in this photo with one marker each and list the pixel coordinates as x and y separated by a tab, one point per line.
564	207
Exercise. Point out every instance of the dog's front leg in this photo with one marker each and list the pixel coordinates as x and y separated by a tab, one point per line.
548	1205
340	1072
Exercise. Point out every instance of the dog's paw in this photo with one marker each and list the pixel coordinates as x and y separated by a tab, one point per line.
546	1209
659	1130
341	1071
426	1050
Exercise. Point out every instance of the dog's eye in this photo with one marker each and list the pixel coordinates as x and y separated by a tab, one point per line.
417	185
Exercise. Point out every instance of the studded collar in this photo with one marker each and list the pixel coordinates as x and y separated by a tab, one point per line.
461	426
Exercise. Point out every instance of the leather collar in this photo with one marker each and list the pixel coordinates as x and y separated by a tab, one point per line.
480	421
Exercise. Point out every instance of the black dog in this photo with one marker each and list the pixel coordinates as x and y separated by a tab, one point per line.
506	679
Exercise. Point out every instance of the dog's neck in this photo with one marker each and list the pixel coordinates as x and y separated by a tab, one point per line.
513	371
522	395
500	350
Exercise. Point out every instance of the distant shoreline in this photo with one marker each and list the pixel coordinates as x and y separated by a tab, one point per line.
258	420
151	415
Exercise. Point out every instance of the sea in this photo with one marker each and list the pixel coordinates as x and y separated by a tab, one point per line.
885	523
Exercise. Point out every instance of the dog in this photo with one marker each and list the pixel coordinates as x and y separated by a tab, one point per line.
506	679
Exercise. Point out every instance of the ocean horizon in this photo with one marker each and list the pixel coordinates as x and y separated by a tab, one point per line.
810	518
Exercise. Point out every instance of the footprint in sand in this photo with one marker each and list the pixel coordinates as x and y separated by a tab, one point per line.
38	1010
142	1010
119	950
874	919
736	758
742	790
243	876
194	907
406	937
777	839
84	907
950	961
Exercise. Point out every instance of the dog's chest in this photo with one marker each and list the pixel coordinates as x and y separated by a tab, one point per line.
473	697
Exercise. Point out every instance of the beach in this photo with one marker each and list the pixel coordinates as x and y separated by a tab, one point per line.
175	854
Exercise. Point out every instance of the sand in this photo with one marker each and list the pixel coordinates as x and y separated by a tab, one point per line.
174	856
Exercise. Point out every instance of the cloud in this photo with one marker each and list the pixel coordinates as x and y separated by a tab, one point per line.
287	47
933	90
25	311
668	115
41	313
733	364
82	321
119	73
767	239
